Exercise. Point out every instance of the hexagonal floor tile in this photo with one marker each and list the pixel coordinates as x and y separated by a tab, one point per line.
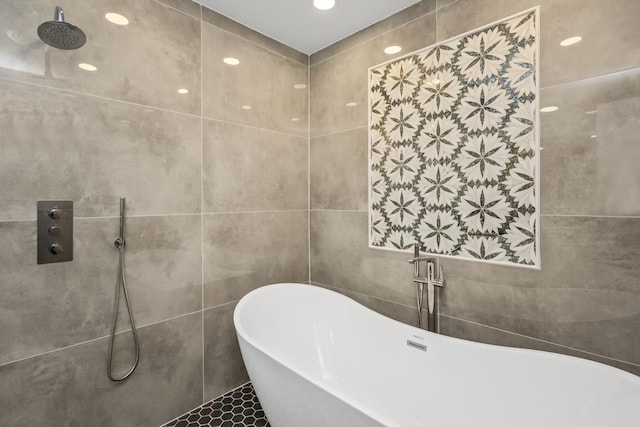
239	407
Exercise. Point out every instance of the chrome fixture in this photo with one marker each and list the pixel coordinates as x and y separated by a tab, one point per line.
417	345
416	274
122	282
61	34
433	288
55	231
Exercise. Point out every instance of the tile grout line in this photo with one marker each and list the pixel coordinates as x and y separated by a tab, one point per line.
255	212
340	131
202	202
368	296
340	210
596	76
89	218
220	305
92	95
146	325
542	340
8	80
253	127
309	167
134	216
176	9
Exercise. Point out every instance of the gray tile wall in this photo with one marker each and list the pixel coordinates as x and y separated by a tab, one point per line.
217	199
586	299
218	196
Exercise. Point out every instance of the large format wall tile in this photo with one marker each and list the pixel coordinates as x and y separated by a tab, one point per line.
163	265
263	83
223	365
246	250
145	62
70	387
342	79
585	297
65	146
45	307
589	162
338	170
475	332
249	169
612	47
340	258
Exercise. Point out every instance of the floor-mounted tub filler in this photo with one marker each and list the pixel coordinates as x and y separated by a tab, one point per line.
318	358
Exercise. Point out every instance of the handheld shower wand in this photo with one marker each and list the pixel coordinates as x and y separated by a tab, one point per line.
121	282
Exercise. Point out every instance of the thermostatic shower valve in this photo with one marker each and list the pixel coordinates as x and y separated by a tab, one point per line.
55	231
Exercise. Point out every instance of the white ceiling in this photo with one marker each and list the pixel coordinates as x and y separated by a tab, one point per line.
297	23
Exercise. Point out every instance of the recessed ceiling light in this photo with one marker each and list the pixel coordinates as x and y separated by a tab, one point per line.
295	119
541	148
570	41
183	91
592	112
549	109
324	4
351	104
87	67
594	136
246	107
231	61
299	86
116	18
390	50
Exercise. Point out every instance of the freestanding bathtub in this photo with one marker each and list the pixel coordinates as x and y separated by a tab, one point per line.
318	358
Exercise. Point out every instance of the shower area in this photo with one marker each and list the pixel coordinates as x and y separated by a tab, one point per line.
214	172
244	162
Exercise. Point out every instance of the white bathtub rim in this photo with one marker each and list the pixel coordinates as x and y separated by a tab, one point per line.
368	410
323	386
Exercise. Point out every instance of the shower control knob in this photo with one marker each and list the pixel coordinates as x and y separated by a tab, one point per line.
55	213
55	230
56	248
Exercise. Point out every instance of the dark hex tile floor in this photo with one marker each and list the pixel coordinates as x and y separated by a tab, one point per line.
239	407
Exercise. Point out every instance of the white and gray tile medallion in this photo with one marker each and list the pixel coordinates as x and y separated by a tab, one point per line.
453	152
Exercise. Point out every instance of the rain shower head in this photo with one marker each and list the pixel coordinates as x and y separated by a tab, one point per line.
60	34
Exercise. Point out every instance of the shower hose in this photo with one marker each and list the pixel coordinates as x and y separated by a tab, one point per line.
121	282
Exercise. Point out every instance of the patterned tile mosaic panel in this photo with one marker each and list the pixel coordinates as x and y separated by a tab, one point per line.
453	152
239	407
